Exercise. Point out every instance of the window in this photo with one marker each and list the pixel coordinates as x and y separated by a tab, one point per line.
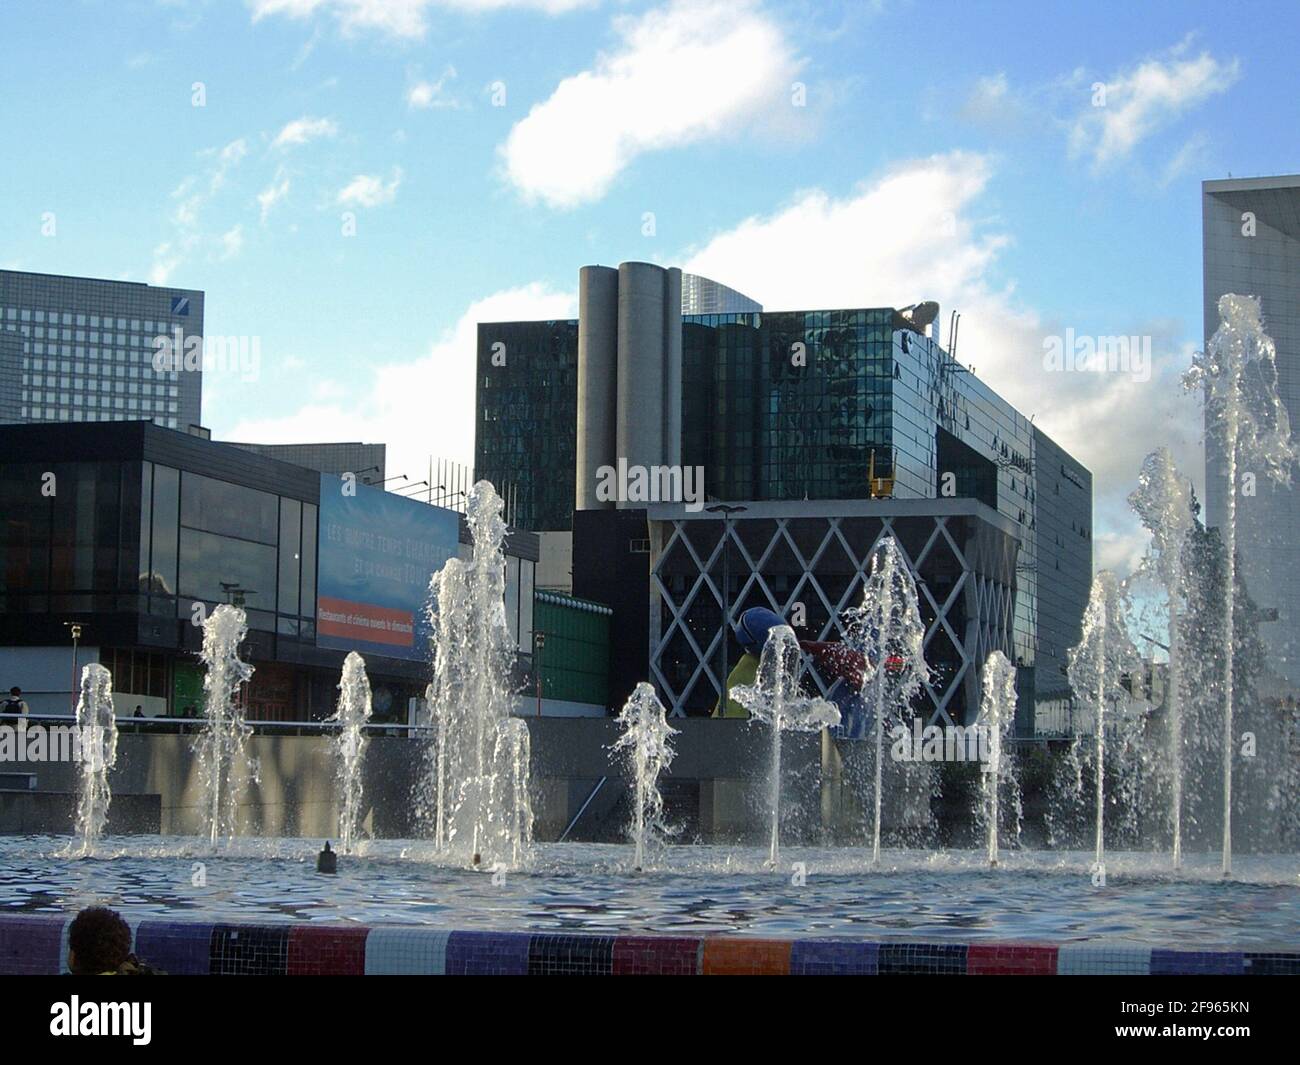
228	509
210	565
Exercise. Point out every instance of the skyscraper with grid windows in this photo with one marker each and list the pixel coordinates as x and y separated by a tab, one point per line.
76	349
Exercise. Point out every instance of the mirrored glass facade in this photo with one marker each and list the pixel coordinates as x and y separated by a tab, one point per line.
526	417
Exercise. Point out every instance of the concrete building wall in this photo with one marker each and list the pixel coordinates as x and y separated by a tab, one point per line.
555	564
597	379
336	458
46	674
721	769
642	340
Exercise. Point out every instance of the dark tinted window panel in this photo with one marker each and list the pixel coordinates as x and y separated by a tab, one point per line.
229	509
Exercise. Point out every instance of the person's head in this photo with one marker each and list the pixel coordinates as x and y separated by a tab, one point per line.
16	692
99	941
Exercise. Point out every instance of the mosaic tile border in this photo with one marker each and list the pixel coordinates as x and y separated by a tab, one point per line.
36	945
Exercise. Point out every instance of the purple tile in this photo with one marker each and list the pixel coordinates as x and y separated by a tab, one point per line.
833	957
32	944
488	953
178	948
1196	963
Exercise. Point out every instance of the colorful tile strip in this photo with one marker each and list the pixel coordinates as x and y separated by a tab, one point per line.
36	944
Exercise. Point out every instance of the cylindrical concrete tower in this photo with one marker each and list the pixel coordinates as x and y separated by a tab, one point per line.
642	314
598	328
672	396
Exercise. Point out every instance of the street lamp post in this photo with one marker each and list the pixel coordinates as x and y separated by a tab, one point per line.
539	641
75	629
726	510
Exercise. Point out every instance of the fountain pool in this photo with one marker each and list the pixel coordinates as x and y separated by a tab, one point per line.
945	896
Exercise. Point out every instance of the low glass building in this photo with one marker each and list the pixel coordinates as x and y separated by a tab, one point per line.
134	533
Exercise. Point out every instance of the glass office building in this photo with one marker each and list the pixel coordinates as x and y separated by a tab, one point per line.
1251	230
88	347
809	404
703	295
526	417
795	405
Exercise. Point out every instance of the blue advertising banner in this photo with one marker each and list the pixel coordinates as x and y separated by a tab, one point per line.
377	552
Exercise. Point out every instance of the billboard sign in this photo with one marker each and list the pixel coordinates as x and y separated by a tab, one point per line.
377	552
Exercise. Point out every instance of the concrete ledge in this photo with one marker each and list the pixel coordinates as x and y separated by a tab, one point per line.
53	813
36	945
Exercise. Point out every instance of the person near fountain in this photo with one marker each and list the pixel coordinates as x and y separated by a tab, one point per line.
14	705
99	944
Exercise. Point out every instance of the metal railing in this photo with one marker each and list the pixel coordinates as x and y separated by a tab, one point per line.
192	725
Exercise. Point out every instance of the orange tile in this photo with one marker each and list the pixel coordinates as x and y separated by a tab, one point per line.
734	956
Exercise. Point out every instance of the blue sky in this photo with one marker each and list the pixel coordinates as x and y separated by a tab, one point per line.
826	154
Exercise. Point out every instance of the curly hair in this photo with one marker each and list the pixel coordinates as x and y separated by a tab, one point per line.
100	940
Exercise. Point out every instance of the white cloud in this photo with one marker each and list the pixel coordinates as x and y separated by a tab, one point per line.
232	242
227	158
370	190
418	408
909	235
1189	158
681	73
273	193
1142	100
1120	551
398	18
302	130
192	197
423	95
989	100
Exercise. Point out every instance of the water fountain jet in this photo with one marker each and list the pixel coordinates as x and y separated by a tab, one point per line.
471	698
998	717
1163	501
888	630
646	743
222	744
1096	668
97	739
1237	375
775	699
352	716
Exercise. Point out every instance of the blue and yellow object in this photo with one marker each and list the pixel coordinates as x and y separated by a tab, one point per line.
751	632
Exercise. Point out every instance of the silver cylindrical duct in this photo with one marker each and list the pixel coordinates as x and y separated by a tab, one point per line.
642	291
598	326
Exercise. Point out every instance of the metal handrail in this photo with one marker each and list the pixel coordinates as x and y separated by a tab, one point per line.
583	808
181	724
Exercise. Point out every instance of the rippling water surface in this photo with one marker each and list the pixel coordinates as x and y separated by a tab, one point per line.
592	888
